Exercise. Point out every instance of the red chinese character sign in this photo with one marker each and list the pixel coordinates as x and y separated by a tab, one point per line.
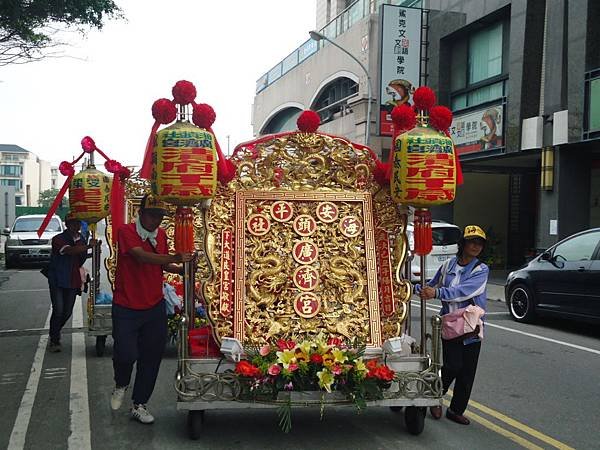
282	211
258	224
424	162
185	168
305	225
89	195
327	212
306	278
305	252
307	305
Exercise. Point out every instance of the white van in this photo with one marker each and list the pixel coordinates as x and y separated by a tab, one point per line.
445	237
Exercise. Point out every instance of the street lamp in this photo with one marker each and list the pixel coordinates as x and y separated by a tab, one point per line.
316	36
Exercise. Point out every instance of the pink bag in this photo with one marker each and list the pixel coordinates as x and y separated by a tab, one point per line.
463	323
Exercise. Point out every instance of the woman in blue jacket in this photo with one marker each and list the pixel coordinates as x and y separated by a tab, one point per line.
459	282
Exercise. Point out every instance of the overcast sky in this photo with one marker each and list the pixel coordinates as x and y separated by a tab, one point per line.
223	47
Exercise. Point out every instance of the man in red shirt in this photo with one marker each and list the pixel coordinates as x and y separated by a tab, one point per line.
138	311
69	251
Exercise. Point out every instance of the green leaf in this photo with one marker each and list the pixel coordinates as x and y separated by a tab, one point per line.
285	416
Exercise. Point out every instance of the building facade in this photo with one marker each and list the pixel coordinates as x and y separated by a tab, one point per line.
23	170
523	80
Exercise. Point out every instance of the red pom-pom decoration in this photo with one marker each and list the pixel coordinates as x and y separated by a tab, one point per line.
204	115
404	118
88	144
308	122
66	169
424	98
440	118
184	92
113	166
164	111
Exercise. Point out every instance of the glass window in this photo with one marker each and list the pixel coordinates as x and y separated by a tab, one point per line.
473	61
580	248
31	224
594	112
11	171
445	235
485	54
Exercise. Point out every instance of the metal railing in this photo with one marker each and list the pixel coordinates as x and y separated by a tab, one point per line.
337	26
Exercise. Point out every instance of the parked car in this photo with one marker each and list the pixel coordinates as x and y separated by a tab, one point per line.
23	243
445	237
564	280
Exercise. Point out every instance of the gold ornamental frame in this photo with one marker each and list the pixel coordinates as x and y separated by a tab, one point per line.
364	199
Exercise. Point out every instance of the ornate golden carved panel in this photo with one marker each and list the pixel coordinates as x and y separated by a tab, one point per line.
305	170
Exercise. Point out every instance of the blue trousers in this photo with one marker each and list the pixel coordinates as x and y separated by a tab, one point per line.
140	337
63	300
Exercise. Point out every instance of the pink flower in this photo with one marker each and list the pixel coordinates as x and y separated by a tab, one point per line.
293	367
265	350
274	370
336	369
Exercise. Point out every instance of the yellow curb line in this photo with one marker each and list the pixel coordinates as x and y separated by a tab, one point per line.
518	425
503	432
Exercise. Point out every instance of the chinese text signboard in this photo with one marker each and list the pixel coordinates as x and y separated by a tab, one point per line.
400	69
478	130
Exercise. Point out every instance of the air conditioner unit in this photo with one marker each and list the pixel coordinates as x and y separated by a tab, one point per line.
560	128
532	133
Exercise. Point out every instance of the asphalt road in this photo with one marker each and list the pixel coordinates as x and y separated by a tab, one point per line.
537	387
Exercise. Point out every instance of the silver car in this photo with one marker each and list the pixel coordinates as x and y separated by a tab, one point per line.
23	243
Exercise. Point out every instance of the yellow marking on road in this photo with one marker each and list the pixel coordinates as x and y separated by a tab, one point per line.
501	431
516	424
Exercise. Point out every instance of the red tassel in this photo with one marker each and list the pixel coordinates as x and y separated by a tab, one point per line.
146	170
55	205
422	230
184	230
459	173
117	205
225	168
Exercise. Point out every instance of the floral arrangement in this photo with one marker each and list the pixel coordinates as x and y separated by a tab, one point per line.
325	365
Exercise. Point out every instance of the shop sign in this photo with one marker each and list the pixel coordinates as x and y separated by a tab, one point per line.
478	130
400	70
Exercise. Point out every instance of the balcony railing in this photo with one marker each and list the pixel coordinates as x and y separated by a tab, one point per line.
339	25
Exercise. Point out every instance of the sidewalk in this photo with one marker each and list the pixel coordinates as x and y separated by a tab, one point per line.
495	286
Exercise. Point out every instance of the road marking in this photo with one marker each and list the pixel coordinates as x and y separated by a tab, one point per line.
53	373
16	291
519	426
19	431
79	408
512	330
501	431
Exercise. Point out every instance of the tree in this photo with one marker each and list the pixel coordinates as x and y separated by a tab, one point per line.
28	28
47	197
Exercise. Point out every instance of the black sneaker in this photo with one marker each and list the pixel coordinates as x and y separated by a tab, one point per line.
54	347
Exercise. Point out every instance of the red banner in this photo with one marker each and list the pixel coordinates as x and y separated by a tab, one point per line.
226	300
384	272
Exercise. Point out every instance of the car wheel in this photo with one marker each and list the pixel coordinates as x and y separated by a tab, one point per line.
521	303
8	264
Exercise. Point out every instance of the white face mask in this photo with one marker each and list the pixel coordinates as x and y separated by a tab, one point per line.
145	234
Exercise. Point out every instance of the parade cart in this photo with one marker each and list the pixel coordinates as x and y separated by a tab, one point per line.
302	246
303	242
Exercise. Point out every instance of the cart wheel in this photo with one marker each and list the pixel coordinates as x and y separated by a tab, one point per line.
195	422
414	418
396	409
100	344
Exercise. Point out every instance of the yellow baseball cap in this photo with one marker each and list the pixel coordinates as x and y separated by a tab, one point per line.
152	204
474	232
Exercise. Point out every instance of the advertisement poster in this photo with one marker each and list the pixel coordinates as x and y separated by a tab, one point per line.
478	130
400	68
